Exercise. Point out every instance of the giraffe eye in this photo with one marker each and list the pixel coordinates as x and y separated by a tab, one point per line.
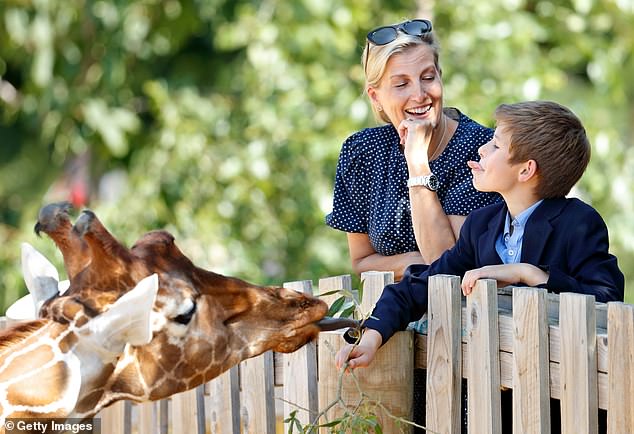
185	318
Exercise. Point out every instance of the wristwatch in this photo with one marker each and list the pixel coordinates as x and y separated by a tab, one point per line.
430	182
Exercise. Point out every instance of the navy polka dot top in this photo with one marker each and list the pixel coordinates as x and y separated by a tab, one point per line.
371	194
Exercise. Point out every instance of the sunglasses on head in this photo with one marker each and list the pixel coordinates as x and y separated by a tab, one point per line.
385	34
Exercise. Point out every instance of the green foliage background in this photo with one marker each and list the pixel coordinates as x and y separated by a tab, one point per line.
227	116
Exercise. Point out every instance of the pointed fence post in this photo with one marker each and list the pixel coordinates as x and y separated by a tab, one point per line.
444	355
388	380
483	369
531	362
578	378
223	403
620	368
257	409
300	373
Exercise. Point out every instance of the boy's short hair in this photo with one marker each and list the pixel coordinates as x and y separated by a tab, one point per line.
553	136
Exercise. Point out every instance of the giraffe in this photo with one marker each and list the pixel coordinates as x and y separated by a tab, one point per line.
47	366
205	322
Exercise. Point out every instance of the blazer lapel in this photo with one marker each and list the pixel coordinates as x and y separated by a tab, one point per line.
538	229
486	243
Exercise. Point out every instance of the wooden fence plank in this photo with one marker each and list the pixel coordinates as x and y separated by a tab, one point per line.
577	348
334	283
483	387
164	416
185	412
578	376
620	368
444	358
381	381
300	373
223	402
506	370
531	382
373	284
113	418
388	380
257	409
148	415
328	344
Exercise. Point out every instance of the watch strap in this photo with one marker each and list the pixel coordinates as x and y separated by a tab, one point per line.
430	182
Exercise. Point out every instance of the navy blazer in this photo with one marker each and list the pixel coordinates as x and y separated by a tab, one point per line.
565	237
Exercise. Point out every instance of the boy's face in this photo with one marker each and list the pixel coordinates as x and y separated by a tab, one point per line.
493	172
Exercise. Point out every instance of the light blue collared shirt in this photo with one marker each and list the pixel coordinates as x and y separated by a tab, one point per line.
509	244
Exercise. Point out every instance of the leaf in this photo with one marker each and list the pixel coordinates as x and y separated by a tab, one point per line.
336	306
324	294
330	424
347	312
291	416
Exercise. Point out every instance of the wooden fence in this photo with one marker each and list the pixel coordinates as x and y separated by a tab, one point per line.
541	345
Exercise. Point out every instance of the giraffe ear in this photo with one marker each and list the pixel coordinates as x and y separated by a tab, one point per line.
127	320
40	276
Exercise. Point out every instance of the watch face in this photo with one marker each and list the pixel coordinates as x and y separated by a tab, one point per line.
432	182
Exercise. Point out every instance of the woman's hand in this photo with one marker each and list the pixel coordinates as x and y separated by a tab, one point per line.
360	355
505	274
416	137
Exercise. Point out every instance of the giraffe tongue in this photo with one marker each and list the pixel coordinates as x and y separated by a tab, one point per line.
329	323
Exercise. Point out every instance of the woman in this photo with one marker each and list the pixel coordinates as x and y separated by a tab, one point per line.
403	190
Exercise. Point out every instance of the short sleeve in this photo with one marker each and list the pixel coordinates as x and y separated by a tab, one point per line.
348	212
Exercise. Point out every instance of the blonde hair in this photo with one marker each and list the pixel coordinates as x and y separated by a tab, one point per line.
375	57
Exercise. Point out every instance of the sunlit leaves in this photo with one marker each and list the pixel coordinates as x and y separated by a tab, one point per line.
227	116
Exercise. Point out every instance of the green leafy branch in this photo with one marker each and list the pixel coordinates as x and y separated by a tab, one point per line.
361	417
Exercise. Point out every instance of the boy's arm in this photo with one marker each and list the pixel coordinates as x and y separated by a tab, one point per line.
406	301
591	269
505	274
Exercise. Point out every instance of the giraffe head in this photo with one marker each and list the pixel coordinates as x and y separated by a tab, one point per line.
203	324
67	360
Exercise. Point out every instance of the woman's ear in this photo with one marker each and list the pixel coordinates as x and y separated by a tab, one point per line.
528	171
374	97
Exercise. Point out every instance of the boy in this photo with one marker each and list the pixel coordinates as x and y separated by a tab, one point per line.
536	237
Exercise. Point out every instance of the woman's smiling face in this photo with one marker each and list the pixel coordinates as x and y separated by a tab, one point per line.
411	87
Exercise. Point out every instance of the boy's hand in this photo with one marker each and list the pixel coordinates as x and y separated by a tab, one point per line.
505	274
415	137
360	355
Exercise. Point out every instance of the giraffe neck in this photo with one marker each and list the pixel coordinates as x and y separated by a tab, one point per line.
40	357
133	380
51	355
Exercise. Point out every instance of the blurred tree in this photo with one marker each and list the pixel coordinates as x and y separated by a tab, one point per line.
222	120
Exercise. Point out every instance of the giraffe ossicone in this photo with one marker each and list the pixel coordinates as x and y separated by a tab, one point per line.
202	323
